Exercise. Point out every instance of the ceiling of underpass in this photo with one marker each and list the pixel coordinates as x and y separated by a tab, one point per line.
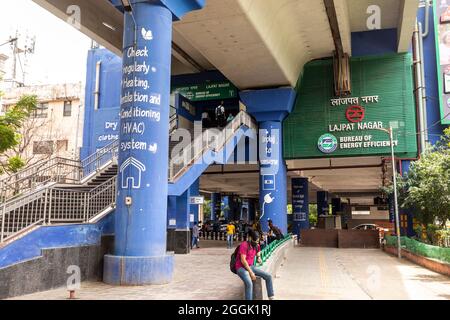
253	43
358	179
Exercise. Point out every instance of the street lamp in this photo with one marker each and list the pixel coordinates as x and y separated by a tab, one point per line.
394	176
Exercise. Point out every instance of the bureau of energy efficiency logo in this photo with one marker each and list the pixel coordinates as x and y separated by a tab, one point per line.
327	143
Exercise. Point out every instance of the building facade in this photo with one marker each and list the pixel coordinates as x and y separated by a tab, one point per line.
55	128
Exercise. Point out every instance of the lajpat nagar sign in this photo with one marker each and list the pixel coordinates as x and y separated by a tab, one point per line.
322	125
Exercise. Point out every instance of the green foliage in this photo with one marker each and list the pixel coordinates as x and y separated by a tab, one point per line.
313	214
428	187
12	121
14	164
10	124
207	210
425	190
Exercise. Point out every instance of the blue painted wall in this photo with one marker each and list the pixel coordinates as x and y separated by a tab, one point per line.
435	129
31	245
99	124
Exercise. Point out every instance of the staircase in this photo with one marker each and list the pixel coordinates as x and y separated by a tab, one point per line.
61	191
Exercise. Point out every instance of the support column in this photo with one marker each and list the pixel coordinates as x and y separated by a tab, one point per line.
300	204
270	107
183	233
216	206
141	215
171	222
226	204
322	203
194	191
273	176
251	210
336	205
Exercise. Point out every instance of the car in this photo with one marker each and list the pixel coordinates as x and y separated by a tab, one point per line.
372	226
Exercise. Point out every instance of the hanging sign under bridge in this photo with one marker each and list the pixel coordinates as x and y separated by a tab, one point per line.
207	91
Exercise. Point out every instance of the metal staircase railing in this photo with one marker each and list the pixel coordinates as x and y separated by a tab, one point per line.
181	162
31	197
54	205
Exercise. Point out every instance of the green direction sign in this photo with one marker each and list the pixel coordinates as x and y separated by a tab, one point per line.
207	91
322	125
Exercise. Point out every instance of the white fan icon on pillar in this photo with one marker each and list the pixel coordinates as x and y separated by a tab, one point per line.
147	35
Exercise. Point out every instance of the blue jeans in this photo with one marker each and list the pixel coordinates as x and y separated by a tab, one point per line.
230	241
245	276
194	242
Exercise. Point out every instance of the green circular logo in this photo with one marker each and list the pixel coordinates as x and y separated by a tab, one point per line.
327	143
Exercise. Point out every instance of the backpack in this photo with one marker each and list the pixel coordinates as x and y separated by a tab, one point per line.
233	260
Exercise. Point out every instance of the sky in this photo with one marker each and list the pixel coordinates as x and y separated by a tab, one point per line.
61	50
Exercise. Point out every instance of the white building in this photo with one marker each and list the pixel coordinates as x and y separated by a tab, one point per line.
56	126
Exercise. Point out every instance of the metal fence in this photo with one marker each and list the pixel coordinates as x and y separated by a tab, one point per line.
54	206
208	140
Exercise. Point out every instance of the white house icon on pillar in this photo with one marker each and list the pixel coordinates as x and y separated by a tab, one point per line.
134	180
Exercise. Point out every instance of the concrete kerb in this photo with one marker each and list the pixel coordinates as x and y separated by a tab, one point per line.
272	265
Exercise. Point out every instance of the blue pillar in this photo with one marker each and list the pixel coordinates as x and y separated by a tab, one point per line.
216	206
300	204
251	210
171	212
270	107
273	177
183	211
322	203
226	203
141	215
194	191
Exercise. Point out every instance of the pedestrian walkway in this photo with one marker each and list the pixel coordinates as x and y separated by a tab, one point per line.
308	273
202	275
362	274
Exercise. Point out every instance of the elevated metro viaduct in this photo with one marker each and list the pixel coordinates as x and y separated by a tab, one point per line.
315	143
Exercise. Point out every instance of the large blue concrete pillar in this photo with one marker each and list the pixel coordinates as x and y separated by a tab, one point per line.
322	203
273	177
270	107
300	204
141	215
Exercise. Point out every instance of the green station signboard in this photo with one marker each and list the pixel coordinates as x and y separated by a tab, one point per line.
322	125
207	91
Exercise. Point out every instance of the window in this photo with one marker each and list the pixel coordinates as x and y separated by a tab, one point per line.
41	110
62	145
43	147
67	108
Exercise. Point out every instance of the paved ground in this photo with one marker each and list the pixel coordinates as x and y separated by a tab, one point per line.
308	273
202	275
322	273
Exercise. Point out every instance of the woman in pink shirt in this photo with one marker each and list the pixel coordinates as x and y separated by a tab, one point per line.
246	270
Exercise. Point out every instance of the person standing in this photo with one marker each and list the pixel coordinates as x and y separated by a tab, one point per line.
245	269
231	230
195	234
220	115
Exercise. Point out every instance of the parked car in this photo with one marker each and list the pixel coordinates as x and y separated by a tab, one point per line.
372	226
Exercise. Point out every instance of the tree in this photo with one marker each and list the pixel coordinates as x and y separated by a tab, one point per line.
10	137
428	187
425	189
